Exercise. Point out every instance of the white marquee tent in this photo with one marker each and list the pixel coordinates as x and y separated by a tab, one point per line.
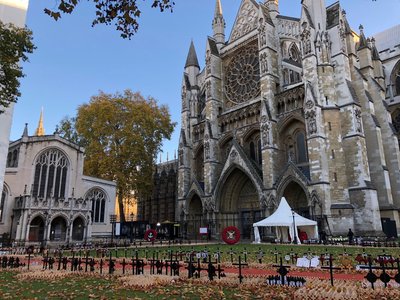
282	218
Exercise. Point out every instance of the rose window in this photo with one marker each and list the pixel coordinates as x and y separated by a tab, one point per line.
242	81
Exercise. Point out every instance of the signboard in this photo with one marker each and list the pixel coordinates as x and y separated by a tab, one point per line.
203	230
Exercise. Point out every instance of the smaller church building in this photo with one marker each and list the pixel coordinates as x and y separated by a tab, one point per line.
47	199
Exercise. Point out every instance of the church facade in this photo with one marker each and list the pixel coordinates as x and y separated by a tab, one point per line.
293	107
47	200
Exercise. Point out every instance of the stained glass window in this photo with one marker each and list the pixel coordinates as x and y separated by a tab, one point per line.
98	199
50	174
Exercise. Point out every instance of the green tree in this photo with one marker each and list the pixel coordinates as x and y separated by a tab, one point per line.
66	129
123	14
15	44
122	135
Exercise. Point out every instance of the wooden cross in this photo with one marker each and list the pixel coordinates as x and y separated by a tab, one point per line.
101	266
260	255
29	258
240	264
124	263
245	255
111	265
211	269
86	261
45	260
217	255
276	253
384	277
59	260
191	268
331	268
282	270
199	268
92	264
231	253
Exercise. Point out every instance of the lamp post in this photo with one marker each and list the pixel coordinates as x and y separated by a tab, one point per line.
294	228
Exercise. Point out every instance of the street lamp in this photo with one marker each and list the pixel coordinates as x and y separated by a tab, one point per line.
294	228
113	220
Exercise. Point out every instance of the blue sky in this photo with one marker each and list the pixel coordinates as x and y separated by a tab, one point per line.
74	61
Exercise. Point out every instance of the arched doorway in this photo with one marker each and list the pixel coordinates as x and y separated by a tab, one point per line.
239	204
78	229
297	199
58	231
195	217
36	230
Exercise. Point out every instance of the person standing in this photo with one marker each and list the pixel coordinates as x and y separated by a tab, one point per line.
350	235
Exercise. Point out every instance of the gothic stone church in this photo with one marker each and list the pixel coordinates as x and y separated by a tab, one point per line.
300	108
46	199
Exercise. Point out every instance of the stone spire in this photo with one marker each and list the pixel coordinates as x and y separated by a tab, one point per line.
191	60
40	129
25	133
375	52
218	24
363	41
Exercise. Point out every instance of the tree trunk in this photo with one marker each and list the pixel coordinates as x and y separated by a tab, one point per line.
121	207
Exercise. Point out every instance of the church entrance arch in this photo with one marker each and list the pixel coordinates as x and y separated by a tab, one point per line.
194	217
239	203
36	230
78	229
58	231
297	199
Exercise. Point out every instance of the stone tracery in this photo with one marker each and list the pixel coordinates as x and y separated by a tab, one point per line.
242	76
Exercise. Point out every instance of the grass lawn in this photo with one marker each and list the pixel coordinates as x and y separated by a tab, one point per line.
252	250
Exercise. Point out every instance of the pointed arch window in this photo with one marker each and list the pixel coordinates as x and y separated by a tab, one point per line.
255	150
397	82
294	53
301	148
2	202
12	158
51	170
98	199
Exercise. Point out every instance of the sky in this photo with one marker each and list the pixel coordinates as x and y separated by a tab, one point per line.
74	61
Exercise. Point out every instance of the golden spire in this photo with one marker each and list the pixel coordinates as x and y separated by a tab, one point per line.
40	130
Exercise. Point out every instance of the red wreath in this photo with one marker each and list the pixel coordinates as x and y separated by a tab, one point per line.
150	235
231	235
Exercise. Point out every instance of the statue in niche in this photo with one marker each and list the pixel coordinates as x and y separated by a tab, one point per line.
311	122
262	36
180	156
208	89
207	149
306	39
263	63
265	128
208	62
357	114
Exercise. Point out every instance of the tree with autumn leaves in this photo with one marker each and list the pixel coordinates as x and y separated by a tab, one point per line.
122	135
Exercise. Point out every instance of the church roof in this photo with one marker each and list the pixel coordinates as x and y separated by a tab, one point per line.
387	39
191	60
